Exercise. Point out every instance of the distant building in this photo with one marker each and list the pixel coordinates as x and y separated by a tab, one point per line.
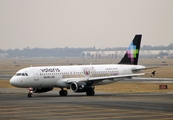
119	54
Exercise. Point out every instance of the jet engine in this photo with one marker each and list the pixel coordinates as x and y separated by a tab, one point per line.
41	90
81	86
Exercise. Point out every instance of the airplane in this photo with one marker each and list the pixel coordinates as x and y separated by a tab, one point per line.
80	78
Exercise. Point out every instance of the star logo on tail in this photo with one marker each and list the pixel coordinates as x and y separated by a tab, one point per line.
132	52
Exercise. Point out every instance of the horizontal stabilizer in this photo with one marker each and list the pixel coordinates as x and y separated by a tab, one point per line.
145	68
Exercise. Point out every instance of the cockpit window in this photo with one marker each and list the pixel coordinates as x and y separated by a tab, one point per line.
21	74
18	74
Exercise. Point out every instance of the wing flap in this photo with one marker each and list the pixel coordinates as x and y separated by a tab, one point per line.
114	77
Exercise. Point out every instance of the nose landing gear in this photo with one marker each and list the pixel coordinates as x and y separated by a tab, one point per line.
30	92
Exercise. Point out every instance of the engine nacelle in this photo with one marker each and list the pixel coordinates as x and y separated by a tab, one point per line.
81	86
41	90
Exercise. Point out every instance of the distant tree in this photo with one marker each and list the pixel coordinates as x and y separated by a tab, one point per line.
71	52
1	51
170	46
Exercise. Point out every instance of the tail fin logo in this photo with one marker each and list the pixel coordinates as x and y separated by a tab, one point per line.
132	52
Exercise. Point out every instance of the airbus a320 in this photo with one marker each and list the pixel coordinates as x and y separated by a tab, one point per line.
80	78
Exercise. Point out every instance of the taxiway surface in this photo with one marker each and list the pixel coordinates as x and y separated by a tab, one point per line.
102	106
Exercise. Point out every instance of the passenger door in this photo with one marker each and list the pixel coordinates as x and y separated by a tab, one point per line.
36	75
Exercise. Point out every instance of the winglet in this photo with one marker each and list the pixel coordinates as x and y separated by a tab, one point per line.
132	53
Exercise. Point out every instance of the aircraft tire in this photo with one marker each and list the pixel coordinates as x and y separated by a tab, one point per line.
63	92
90	93
29	95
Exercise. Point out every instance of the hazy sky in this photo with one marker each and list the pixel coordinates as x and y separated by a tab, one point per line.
79	23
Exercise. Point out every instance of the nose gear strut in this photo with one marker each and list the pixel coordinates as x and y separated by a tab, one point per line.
30	92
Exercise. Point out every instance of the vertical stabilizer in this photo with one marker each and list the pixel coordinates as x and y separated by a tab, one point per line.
132	53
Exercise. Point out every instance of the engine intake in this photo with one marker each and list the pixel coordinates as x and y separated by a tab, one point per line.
41	90
81	86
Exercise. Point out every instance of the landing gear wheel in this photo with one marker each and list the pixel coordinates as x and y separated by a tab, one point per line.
90	93
63	92
30	92
29	95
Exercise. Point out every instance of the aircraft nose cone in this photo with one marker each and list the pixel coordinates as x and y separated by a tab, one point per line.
13	81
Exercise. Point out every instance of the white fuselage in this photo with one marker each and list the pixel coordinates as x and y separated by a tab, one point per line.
57	76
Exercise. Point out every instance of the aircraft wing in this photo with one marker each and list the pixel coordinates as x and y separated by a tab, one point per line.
94	79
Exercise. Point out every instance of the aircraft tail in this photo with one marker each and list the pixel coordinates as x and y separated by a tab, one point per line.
132	53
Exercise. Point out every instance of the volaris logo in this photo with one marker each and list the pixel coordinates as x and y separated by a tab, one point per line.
132	52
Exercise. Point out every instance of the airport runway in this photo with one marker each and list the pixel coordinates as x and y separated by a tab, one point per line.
103	106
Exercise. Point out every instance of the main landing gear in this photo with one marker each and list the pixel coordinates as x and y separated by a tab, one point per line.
30	92
63	92
90	93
